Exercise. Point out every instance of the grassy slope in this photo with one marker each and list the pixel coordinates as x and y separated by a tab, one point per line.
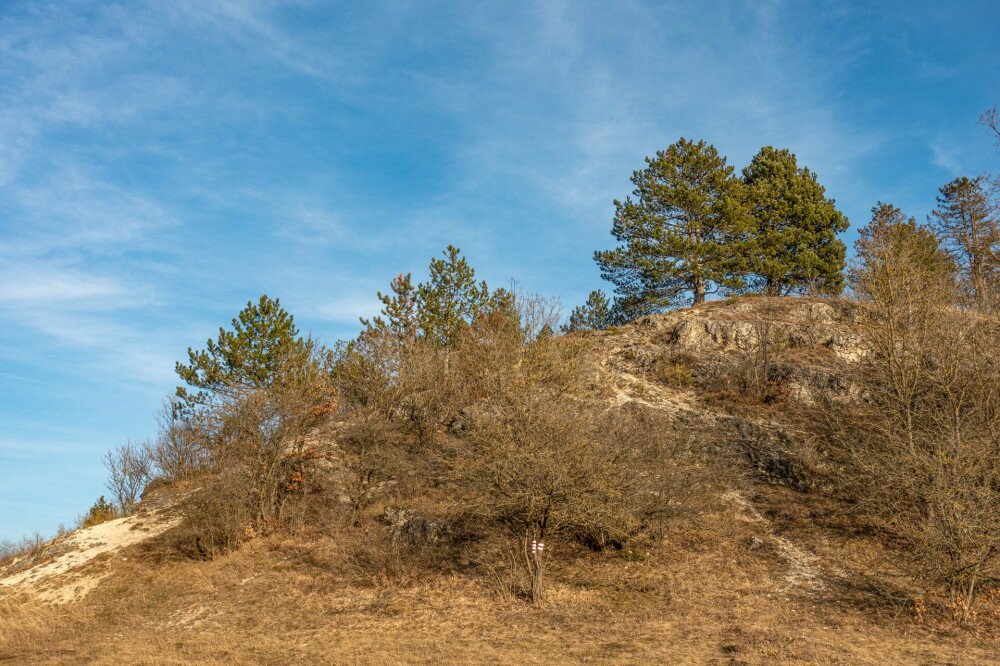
791	580
701	596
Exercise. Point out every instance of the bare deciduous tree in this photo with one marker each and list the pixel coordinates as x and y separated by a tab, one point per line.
990	119
925	439
541	462
128	473
180	450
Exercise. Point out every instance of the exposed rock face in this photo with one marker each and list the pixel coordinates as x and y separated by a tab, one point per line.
738	325
724	329
413	530
810	344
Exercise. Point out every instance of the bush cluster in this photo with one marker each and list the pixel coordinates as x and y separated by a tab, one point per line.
456	423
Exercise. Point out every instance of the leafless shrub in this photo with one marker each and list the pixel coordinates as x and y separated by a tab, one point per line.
926	450
27	546
759	369
491	436
924	443
403	394
752	372
539	315
543	466
179	452
369	445
259	454
398	397
370	557
219	515
129	471
540	463
990	119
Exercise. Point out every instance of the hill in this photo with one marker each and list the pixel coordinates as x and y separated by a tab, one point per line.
772	565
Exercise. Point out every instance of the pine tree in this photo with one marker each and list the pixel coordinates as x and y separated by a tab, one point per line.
438	310
594	315
399	314
248	356
451	298
968	225
794	245
681	235
629	308
893	254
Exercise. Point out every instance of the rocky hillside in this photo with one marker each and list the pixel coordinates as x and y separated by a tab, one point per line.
744	368
775	571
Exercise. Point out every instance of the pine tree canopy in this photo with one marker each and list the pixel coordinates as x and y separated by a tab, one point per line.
245	357
399	309
968	224
439	309
681	235
893	250
450	298
794	242
594	315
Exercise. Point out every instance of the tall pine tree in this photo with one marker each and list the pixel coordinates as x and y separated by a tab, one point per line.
681	234
399	314
968	224
248	356
438	310
451	298
794	243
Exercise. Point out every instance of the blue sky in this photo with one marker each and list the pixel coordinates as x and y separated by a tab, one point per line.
163	162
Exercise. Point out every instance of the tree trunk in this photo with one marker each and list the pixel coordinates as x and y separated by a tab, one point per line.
699	291
534	558
772	287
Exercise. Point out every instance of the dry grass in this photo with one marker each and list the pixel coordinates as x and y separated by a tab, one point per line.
24	618
26	547
764	575
704	595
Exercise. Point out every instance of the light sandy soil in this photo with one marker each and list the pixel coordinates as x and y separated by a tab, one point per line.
70	566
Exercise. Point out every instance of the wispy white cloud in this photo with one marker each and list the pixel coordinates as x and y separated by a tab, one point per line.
250	24
44	286
347	309
160	163
74	210
21	378
951	156
71	223
34	448
568	121
312	224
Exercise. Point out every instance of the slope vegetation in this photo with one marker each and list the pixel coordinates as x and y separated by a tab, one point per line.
775	569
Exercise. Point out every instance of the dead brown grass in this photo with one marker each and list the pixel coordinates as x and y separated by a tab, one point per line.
766	575
709	594
26	547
